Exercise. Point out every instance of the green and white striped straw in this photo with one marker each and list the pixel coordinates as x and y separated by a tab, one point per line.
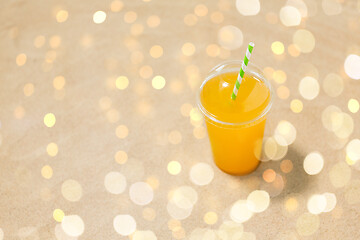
242	70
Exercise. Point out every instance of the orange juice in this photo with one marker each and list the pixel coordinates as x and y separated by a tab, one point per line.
235	127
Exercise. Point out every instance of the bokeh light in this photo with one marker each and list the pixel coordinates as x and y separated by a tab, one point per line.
286	166
202	233
116	6
285	131
158	82
201	10
73	225
59	82
332	118
149	214
49	120
333	85
121	82
115	182
173	224
353	105
217	17
141	193
121	157
330	201
201	174
179	233
258	201
275	148
240	212
309	88
58	215
130	17
185	109
144	235
309	70
230	37
199	132
248	7
184	197
293	50
190	19
291	204
353	150
99	17
136	29
331	7
124	224
39	41
316	204
146	72
268	72
21	59
188	49
212	50
153	182
274	188
352	66
71	190
105	103
283	92
46	172
61	235
156	51
210	218
55	41
175	137
340	174
28	89
122	131
177	212
230	230
290	16
279	76
153	21
296	105
52	149
346	128
300	5
277	48
174	167
62	16
269	175
304	40
313	163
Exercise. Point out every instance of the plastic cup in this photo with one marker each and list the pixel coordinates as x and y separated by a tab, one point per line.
236	146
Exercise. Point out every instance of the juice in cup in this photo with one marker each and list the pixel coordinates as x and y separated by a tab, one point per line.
235	127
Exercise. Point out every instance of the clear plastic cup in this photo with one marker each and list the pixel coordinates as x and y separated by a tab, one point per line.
236	146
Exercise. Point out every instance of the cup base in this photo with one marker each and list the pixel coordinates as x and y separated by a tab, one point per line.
238	173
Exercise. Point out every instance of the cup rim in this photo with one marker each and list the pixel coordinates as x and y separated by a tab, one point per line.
252	69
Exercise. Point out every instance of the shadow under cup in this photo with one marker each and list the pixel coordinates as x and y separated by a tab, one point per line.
236	146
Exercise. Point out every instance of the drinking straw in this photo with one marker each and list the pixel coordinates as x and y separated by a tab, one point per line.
242	70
